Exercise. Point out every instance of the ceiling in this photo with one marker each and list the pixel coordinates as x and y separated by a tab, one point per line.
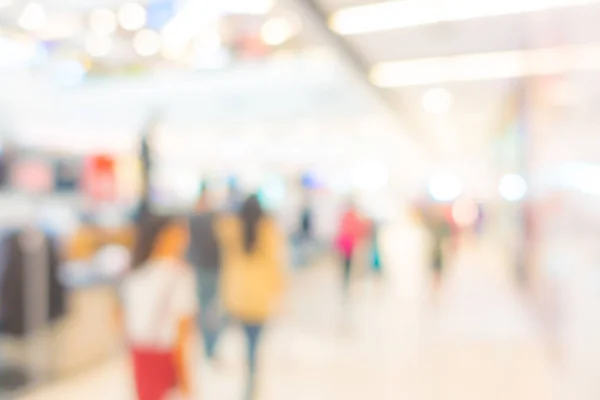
453	70
118	37
284	82
476	53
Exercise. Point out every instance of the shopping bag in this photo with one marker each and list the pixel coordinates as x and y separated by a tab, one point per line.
375	259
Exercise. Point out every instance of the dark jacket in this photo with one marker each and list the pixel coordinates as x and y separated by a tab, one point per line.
12	286
204	249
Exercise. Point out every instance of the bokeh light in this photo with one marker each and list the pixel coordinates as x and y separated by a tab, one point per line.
132	16
512	187
98	46
33	17
276	31
445	187
103	21
146	42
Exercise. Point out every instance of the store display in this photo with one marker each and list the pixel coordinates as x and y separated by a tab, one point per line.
32	175
19	317
128	171
67	175
100	181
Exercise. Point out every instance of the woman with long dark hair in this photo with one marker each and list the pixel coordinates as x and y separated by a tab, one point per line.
159	307
252	276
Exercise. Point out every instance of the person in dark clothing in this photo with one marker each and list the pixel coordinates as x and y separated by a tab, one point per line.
205	256
235	198
304	237
440	231
146	157
306	225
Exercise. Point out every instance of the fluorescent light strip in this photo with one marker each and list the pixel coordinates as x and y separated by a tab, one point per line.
486	66
397	14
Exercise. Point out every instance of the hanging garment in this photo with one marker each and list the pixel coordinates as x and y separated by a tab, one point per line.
15	292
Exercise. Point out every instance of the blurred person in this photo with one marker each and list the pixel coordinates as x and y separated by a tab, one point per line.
252	276
376	263
351	232
306	221
440	230
142	212
7	159
146	156
234	195
305	234
327	212
159	305
480	221
204	254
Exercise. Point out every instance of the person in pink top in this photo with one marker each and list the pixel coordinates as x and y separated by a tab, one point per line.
353	229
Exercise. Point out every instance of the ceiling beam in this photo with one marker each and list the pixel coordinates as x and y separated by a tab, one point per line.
391	101
317	19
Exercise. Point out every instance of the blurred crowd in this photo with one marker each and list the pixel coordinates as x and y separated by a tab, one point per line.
227	262
214	268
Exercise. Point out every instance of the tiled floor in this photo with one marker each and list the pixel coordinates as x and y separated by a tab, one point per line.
476	341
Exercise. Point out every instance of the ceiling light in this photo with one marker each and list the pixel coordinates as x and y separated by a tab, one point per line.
146	42
175	42
276	31
33	17
103	21
370	176
254	7
98	46
437	101
584	177
132	16
61	26
447	69
174	51
193	19
177	36
484	66
512	187
406	13
445	187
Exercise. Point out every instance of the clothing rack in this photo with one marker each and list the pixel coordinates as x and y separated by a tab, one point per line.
34	351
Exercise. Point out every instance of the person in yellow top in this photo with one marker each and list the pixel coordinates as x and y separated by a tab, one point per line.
252	276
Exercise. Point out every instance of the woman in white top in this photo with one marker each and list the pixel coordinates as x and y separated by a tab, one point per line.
159	308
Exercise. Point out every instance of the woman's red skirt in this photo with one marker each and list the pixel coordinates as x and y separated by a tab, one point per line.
155	372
